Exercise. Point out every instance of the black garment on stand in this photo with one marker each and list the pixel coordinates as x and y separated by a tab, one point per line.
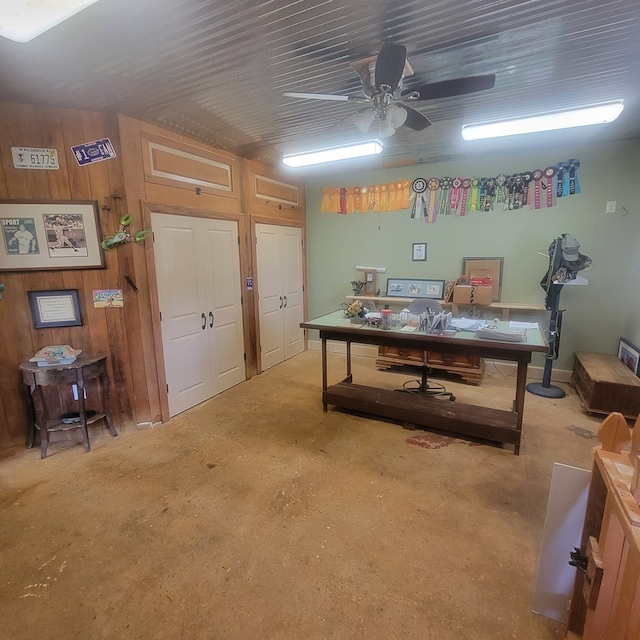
552	302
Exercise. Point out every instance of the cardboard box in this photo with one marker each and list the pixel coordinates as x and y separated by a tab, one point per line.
466	294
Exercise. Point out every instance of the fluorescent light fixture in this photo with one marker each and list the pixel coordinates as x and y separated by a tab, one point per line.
23	20
578	117
359	150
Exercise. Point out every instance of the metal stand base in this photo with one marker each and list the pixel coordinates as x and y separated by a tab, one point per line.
550	391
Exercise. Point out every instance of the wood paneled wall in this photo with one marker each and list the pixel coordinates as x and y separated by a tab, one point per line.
119	186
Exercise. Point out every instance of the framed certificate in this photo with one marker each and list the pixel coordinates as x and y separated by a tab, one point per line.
59	308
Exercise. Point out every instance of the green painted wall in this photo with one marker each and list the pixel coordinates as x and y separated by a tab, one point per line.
596	315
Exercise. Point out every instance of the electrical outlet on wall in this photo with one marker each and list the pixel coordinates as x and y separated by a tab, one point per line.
611	206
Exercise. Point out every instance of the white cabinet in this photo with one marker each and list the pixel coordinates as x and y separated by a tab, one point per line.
280	292
199	295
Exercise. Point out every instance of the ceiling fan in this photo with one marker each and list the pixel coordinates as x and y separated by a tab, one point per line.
381	79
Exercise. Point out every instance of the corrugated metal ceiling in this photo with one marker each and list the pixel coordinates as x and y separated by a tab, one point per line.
216	70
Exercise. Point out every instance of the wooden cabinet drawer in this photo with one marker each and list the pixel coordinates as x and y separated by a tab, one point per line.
471	368
436	358
404	356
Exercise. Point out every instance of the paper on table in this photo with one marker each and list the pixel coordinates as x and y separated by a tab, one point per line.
522	325
467	324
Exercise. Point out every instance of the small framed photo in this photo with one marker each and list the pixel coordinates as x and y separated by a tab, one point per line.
419	251
58	308
629	354
408	288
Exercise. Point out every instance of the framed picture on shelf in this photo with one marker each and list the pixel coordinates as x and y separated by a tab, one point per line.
419	251
629	354
414	288
485	268
57	308
50	235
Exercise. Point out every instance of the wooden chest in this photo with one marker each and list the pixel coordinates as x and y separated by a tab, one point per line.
470	368
605	384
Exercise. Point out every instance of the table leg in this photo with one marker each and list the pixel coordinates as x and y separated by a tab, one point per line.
44	433
324	370
518	406
83	416
349	375
31	411
104	382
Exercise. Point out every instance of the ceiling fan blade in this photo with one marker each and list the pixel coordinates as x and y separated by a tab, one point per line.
316	96
415	120
390	65
448	88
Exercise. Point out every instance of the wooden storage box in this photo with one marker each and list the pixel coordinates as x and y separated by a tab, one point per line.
605	384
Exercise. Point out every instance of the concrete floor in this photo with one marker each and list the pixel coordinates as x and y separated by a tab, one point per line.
256	515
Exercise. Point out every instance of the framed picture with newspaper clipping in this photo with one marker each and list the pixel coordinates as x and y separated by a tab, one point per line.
50	235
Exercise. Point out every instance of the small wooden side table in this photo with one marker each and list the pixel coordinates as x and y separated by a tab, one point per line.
79	372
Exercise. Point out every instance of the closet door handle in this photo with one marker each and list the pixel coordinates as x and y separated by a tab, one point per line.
204	320
210	319
285	302
281	302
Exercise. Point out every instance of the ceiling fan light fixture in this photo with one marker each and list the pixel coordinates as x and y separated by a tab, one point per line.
364	119
385	128
319	156
397	115
577	117
23	21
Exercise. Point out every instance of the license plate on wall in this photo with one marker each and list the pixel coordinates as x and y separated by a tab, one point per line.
34	158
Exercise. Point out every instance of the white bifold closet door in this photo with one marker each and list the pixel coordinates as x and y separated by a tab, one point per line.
199	292
280	292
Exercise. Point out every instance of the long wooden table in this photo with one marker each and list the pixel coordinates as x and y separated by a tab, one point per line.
456	417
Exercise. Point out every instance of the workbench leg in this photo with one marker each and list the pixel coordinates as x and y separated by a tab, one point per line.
518	406
324	371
